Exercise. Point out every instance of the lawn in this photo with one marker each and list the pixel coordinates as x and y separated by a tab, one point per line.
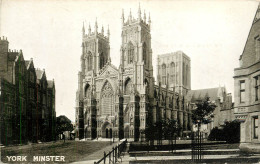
72	150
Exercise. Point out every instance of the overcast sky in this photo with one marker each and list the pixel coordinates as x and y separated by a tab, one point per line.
211	33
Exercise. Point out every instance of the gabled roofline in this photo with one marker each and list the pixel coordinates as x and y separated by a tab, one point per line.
240	57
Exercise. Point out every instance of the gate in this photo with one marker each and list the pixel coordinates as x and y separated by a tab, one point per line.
196	146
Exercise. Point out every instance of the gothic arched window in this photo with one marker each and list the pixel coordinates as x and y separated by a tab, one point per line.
147	86
144	54
87	91
184	74
164	74
128	87
130	53
107	99
90	61
187	75
172	73
101	60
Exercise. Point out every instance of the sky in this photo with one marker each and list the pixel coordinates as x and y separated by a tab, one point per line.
212	33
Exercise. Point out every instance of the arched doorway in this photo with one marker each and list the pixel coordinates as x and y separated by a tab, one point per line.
126	130
110	133
106	133
106	130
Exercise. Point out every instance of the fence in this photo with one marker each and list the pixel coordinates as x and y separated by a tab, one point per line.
196	146
114	155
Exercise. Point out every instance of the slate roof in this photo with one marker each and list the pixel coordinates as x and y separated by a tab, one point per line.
201	94
12	56
50	83
27	62
39	73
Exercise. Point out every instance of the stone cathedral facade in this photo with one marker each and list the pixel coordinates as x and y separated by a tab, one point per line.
122	102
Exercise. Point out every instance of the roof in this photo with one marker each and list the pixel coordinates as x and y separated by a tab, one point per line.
12	56
200	94
173	54
27	62
39	73
50	83
257	15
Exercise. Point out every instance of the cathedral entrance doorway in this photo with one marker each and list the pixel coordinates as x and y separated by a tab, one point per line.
106	133
106	130
126	130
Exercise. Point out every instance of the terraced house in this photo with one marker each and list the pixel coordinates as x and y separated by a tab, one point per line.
25	114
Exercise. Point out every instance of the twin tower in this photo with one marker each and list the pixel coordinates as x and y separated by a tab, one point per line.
122	102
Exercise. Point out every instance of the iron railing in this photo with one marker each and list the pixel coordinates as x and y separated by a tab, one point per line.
196	146
114	155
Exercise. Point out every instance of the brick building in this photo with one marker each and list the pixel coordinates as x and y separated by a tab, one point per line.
24	115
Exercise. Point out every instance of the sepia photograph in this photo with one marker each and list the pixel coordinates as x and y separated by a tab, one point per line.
148	81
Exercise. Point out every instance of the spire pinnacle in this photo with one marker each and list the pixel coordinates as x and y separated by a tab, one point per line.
102	30
144	17
149	21
96	26
89	29
108	32
139	12
83	28
123	19
130	15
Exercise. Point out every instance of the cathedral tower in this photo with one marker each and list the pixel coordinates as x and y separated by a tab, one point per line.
95	55
174	67
136	70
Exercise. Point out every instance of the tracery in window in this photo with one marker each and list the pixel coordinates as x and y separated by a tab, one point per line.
128	86
144	54
130	53
107	99
90	61
87	91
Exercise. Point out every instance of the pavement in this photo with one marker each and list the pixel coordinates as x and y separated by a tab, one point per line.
178	156
184	156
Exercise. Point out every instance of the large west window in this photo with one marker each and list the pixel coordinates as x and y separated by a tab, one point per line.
255	127
257	84
242	91
107	99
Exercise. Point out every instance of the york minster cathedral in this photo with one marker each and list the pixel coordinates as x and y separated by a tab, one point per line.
122	102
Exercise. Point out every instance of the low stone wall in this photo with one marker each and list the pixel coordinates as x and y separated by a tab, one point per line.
250	147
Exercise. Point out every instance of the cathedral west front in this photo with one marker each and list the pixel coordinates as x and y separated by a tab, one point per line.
122	102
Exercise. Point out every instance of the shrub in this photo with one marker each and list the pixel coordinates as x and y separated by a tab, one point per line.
230	133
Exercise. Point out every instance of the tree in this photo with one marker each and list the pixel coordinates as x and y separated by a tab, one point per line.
63	124
203	109
170	128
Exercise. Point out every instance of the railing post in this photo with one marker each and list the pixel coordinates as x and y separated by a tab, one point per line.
118	150
116	154
109	157
113	154
104	157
